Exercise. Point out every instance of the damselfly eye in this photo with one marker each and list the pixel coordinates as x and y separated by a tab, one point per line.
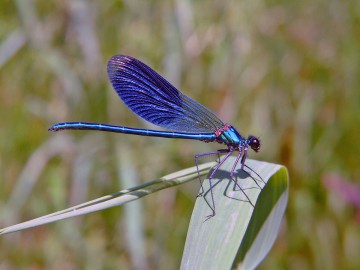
254	143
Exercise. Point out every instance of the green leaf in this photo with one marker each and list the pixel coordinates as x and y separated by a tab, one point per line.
239	235
115	199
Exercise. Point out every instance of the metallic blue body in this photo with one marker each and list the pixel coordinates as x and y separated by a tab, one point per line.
230	137
207	137
154	99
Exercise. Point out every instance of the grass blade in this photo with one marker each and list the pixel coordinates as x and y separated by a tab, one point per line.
239	235
115	199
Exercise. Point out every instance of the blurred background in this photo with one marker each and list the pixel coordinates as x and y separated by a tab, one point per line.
287	71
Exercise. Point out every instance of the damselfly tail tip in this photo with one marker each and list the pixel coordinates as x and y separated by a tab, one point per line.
53	128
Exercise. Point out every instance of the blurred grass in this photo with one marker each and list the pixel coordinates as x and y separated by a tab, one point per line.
287	71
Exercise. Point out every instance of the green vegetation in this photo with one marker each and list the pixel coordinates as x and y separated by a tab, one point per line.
288	71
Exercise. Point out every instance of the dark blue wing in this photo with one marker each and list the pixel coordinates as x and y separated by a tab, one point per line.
153	98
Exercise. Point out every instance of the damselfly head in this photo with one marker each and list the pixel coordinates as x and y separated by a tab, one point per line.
254	143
